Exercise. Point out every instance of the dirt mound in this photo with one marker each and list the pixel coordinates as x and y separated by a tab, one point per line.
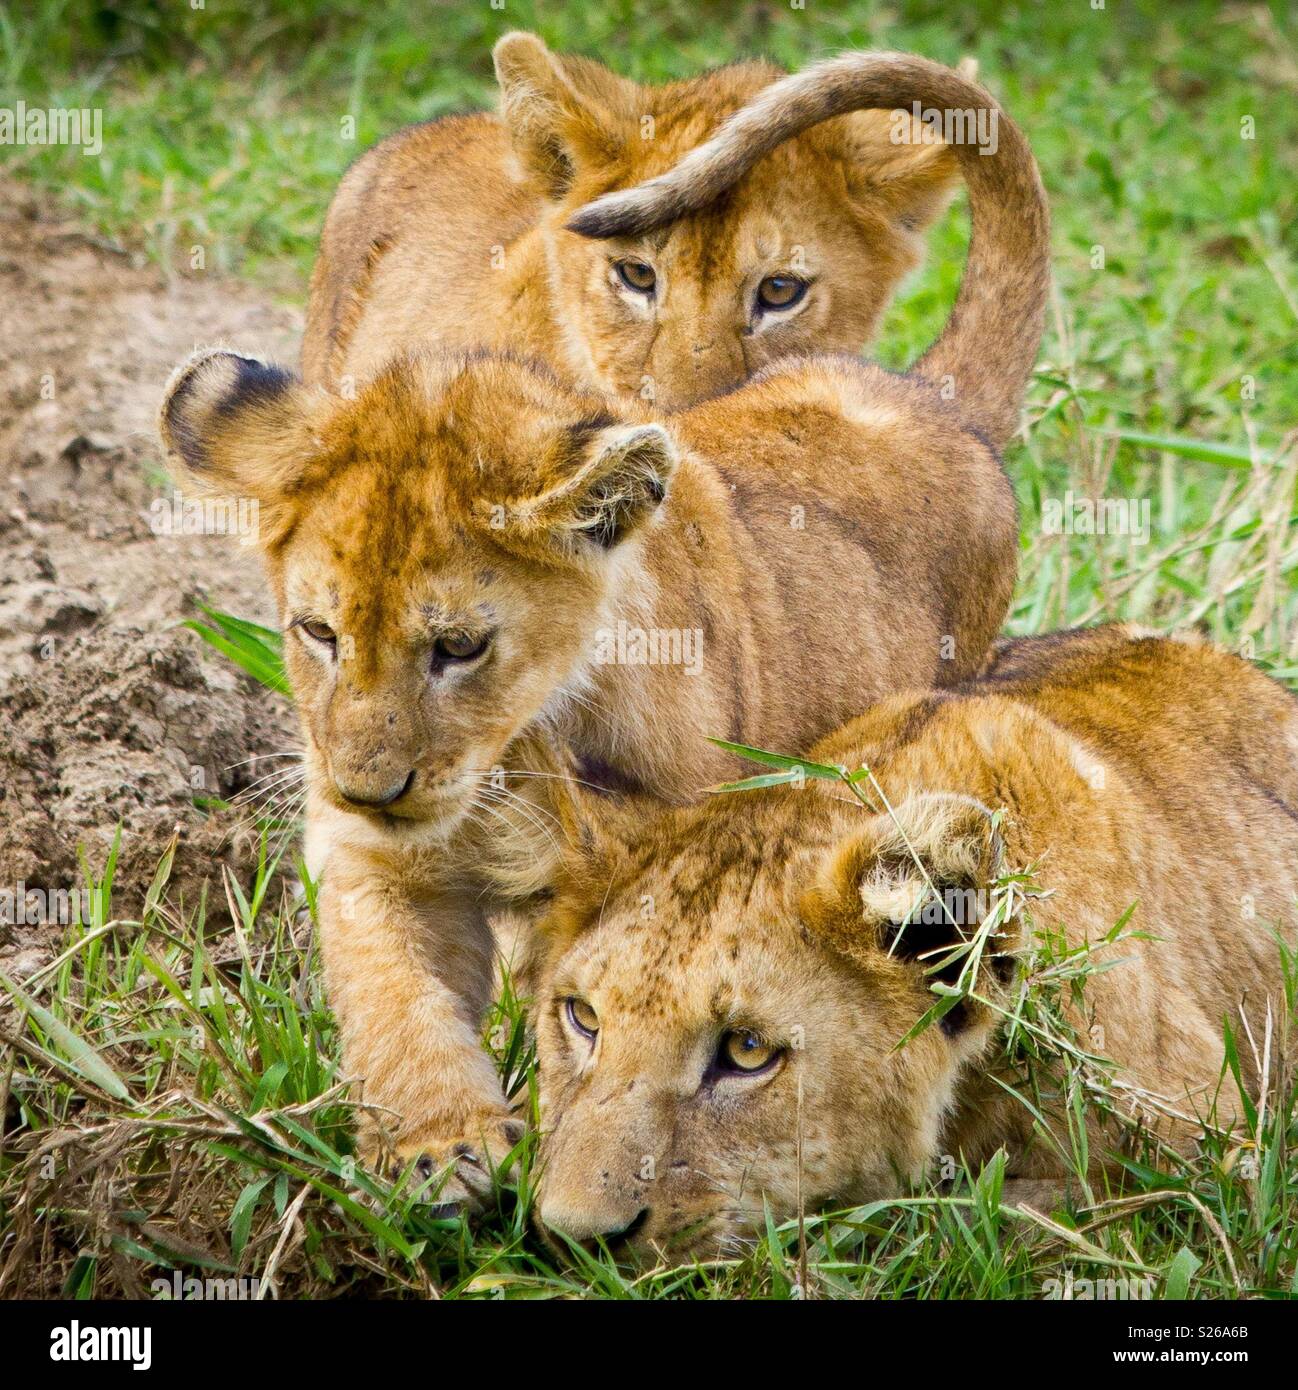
109	711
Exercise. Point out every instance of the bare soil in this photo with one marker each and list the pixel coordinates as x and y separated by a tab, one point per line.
110	712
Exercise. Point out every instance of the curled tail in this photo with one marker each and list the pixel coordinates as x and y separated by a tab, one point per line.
989	344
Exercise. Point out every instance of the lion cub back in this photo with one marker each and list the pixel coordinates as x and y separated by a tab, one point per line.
1175	708
424	205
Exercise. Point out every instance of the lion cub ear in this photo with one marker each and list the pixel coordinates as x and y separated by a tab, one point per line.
613	480
909	888
235	425
560	112
897	168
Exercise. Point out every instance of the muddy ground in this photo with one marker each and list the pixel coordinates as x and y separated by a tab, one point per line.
110	713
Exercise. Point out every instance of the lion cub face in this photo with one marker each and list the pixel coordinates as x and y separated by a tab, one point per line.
802	255
441	547
695	307
718	1023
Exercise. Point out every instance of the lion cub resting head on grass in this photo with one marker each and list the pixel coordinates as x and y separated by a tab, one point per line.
726	990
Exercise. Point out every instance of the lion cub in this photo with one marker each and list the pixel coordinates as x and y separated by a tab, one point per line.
726	985
455	231
471	558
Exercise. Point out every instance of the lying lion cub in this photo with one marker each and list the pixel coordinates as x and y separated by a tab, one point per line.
454	230
725	988
470	555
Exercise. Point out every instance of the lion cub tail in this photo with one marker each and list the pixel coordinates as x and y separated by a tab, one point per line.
988	347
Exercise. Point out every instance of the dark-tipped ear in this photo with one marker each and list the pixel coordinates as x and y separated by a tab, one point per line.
897	168
558	111
911	887
624	483
235	424
619	481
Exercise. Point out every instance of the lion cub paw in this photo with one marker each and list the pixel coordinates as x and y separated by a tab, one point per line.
457	1170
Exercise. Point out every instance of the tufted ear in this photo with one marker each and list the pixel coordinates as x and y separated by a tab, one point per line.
236	425
611	481
908	889
899	168
560	112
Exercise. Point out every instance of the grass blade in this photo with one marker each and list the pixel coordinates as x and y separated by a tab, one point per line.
78	1053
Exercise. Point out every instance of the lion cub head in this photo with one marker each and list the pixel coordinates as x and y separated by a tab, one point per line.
801	255
721	1006
441	549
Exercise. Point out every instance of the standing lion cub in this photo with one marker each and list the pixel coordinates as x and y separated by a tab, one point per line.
455	231
727	985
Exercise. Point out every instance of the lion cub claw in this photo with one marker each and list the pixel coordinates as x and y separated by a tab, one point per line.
457	1171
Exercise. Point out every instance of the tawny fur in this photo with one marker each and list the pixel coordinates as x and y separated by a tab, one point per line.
826	506
1131	773
999	303
454	231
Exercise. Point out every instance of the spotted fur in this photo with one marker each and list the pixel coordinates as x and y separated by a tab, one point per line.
824	507
1130	772
454	232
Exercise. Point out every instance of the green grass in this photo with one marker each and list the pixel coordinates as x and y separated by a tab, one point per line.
177	1086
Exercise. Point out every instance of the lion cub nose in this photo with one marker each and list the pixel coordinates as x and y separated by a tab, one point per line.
588	1228
367	796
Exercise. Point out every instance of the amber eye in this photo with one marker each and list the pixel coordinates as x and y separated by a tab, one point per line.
318	631
582	1017
636	275
460	647
743	1051
780	292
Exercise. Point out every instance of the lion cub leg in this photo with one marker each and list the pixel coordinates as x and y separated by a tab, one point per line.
409	981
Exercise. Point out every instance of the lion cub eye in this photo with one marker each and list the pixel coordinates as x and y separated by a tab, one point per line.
460	647
636	275
318	631
742	1051
582	1017
780	292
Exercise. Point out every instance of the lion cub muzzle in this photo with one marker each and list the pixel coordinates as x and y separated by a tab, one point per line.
369	797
